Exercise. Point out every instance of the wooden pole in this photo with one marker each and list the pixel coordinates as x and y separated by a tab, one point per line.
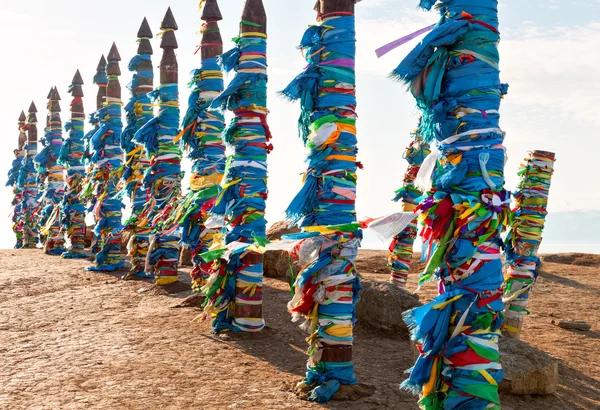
165	158
54	182
202	140
71	156
139	112
27	181
13	181
107	158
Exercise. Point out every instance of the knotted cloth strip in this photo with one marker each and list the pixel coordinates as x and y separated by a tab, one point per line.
453	74
525	236
326	290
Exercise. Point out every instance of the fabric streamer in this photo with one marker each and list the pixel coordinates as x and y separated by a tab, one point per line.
139	111
28	181
87	194
107	159
326	289
13	181
51	174
524	238
454	76
401	248
162	179
234	289
72	208
201	138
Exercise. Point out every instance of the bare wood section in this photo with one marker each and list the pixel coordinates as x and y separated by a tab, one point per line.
254	12
169	69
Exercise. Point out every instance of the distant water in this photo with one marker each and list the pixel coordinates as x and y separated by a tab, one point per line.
371	241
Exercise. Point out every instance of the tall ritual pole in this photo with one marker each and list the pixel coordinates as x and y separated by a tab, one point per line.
201	137
28	181
47	162
101	80
525	237
454	76
163	179
72	210
326	290
234	290
139	112
13	181
401	248
107	158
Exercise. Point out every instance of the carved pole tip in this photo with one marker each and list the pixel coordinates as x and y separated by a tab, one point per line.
77	79
114	53
145	31
169	21
101	64
211	11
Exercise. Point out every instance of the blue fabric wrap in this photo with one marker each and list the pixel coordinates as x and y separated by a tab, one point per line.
330	52
454	70
107	157
72	208
138	112
243	202
201	136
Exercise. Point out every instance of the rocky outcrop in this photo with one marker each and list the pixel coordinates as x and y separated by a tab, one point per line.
381	305
279	264
527	370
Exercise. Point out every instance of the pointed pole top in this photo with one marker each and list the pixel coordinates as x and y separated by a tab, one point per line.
56	95
50	93
77	79
168	21
211	11
145	31
101	64
254	12
32	107
22	117
114	53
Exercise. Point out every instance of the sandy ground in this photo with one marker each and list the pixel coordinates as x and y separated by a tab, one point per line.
71	339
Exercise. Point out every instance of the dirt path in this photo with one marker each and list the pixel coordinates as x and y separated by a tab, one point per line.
71	339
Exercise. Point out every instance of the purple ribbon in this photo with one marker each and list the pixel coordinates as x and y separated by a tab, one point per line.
381	51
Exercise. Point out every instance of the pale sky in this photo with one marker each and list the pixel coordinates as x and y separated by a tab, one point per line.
549	57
